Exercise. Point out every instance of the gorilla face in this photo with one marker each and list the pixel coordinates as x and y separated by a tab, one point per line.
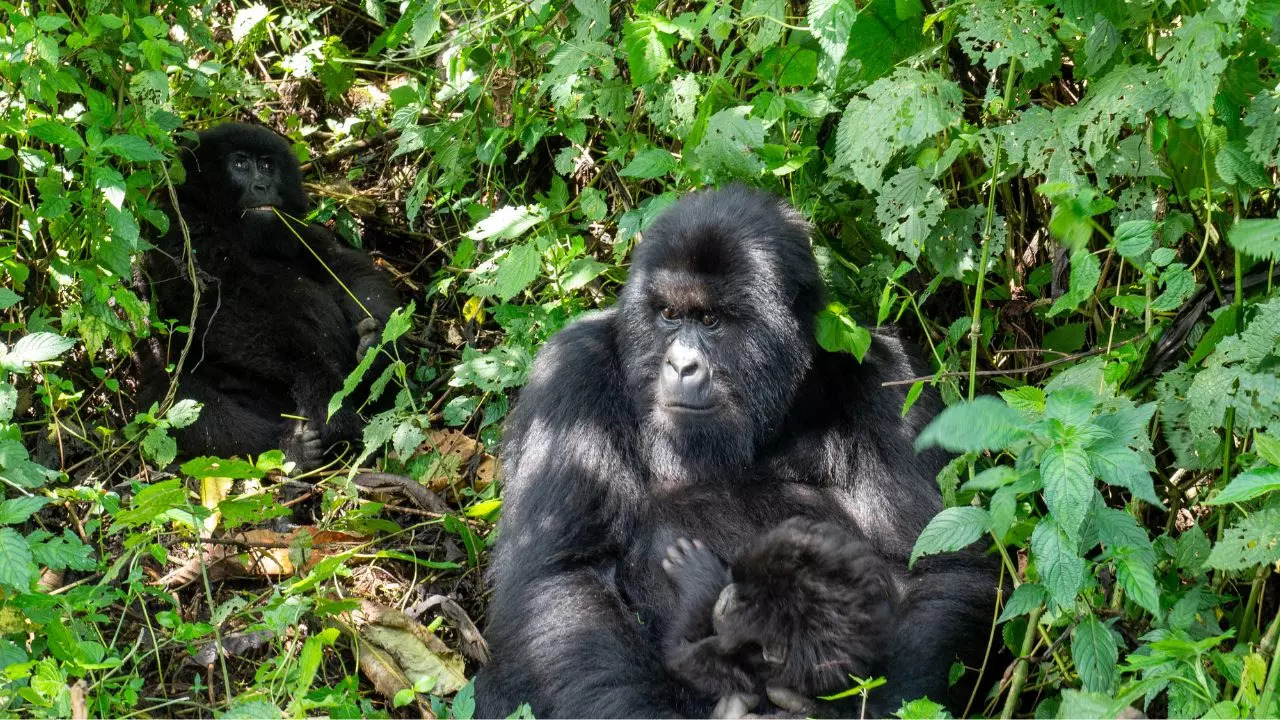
245	173
713	308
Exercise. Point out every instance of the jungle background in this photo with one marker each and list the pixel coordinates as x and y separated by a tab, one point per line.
1030	189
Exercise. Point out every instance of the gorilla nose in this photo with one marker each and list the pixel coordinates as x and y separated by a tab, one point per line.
686	376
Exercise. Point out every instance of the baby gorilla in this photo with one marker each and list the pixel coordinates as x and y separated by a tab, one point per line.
801	609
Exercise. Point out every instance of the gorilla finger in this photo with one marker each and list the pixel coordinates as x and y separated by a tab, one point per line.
686	546
367	326
736	705
790	700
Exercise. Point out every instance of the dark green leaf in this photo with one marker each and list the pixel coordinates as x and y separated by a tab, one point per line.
952	529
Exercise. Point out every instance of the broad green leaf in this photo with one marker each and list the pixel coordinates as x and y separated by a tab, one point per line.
1085	274
183	413
1194	65
986	423
508	222
952	529
767	18
1068	485
1136	575
650	164
1259	238
1120	466
16	510
517	270
151	502
580	272
159	447
17	566
1133	239
1237	167
830	22
1264	119
837	331
35	348
1027	597
1027	398
995	32
1095	653
646	49
8	298
1247	486
131	148
64	552
1251	541
1267	447
908	207
246	19
56	133
729	143
1059	563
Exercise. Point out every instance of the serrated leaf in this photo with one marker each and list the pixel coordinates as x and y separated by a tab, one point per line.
1085	274
1259	238
995	32
1027	597
1237	166
647	56
131	148
986	423
837	331
1060	566
649	164
1267	447
1247	486
894	114
580	272
1194	65
1120	466
908	207
17	566
64	552
183	413
17	510
952	529
830	22
1138	579
34	348
1027	398
1095	653
767	17
1264	119
159	447
1100	45
1133	239
56	133
508	222
1068	485
1251	541
730	141
1191	550
517	270
8	298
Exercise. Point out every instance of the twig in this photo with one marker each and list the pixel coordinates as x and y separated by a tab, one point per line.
367	144
1015	371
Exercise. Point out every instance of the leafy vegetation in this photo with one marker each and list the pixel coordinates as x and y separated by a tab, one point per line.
1030	188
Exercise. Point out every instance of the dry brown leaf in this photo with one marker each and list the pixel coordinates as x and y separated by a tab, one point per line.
411	649
461	456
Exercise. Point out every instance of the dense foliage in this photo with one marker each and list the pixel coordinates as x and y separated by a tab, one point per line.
1030	188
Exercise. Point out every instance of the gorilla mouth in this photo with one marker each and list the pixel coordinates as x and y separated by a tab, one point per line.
687	409
261	208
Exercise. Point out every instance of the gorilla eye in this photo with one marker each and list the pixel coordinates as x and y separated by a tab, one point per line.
239	163
669	313
710	320
265	163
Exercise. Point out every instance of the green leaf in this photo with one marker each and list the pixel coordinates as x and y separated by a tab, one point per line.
837	331
1136	575
1120	466
151	502
1259	238
1027	398
17	565
1252	541
8	298
1247	486
246	19
1027	597
1068	485
517	270
508	222
159	447
646	49
995	33
183	413
1060	566
767	16
17	510
132	148
1133	239
729	143
1267	447
1085	274
580	272
986	423
56	133
1095	653
1237	166
908	207
1194	65
66	552
830	22
205	467
894	114
35	348
650	164
952	529
1264	119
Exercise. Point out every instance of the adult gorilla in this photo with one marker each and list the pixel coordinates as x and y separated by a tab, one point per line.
701	407
285	308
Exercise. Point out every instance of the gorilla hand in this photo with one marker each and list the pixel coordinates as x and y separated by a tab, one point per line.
370	332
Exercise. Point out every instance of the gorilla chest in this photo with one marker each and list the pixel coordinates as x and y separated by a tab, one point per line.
286	310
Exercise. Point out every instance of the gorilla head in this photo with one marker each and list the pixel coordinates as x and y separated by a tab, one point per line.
243	174
814	598
715	361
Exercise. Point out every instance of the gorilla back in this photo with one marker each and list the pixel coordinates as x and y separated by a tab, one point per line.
275	331
701	407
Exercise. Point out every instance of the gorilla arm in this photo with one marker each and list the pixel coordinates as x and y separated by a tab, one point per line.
564	638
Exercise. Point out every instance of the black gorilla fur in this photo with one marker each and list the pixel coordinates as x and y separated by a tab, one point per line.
803	608
701	406
276	334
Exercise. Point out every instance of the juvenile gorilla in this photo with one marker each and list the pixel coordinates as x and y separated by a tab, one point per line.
276	332
802	608
701	406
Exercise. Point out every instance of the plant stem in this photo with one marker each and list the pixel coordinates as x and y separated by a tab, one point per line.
1023	666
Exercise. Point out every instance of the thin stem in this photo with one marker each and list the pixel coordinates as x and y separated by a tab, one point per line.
1023	665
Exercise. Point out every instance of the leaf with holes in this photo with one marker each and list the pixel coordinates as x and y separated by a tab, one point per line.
908	207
